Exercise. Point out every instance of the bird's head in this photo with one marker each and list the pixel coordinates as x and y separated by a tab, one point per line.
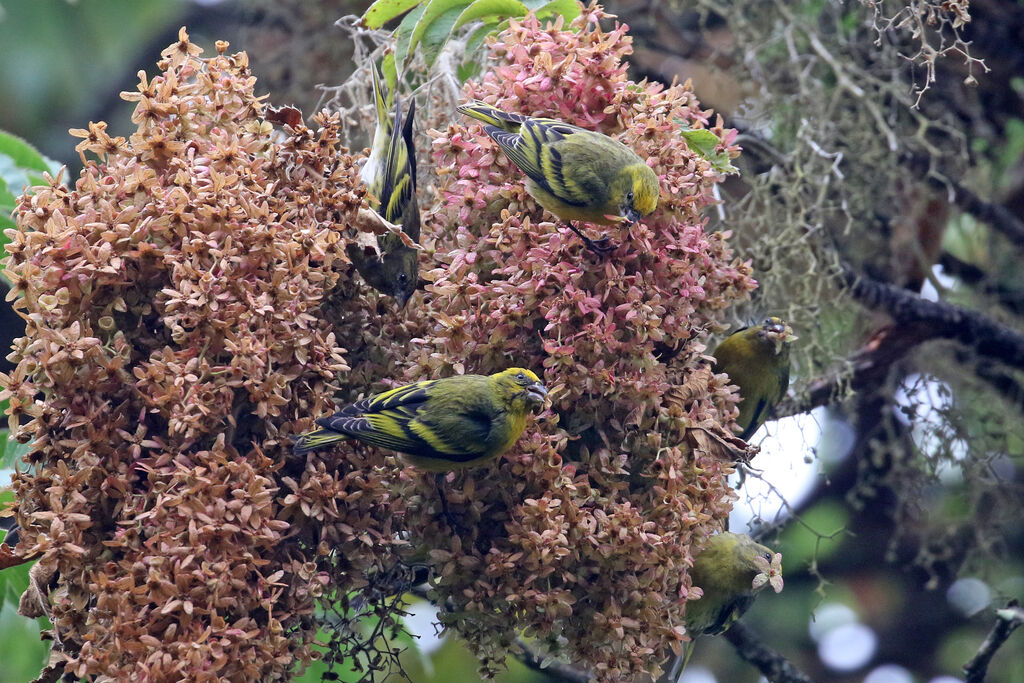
639	189
401	269
763	565
740	561
520	389
775	333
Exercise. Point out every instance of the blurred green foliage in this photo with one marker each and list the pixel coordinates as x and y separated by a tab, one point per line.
65	62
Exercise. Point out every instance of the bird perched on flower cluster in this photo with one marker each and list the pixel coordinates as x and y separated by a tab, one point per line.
731	570
440	424
390	176
576	174
757	361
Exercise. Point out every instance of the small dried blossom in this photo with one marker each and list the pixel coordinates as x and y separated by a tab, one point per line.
189	306
769	573
173	342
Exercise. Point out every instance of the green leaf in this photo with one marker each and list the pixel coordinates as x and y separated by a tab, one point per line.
490	8
437	35
404	32
704	143
21	165
23	154
477	38
6	196
383	11
570	9
6	211
433	10
390	72
11	451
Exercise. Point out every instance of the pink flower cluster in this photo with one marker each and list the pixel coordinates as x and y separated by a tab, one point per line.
586	529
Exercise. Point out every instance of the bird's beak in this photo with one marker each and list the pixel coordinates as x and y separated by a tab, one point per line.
632	216
778	333
537	395
402	299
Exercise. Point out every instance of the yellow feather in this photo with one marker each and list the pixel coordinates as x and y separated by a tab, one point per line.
440	424
757	361
574	173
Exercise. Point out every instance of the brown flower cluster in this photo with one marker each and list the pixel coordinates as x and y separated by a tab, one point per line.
581	537
189	307
173	344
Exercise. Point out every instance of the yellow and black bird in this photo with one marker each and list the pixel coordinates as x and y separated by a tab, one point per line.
757	361
390	176
576	174
731	570
440	424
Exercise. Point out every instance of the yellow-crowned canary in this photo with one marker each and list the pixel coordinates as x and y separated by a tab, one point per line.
390	176
757	361
731	570
576	174
440	424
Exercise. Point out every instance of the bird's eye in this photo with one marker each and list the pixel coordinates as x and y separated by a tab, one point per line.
629	196
768	556
403	278
520	376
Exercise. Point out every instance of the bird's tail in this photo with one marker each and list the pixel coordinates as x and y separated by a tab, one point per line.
398	189
372	172
312	441
379	100
481	111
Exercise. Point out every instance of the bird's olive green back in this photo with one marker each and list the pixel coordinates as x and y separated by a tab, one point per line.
761	374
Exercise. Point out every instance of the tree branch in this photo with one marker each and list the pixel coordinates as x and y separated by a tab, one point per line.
986	336
1006	621
774	666
997	216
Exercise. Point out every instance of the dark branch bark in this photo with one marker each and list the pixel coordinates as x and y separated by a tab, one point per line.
560	671
770	663
976	669
947	321
995	215
968	273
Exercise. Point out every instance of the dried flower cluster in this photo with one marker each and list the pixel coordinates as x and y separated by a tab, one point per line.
172	340
584	533
189	306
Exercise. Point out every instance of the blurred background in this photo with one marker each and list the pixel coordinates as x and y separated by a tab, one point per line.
893	488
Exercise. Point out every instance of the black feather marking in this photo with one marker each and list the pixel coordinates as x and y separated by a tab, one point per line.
556	170
412	395
409	143
783	382
756	420
730	612
551	131
396	195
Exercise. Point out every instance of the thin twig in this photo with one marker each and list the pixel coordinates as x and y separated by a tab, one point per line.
770	663
1007	620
